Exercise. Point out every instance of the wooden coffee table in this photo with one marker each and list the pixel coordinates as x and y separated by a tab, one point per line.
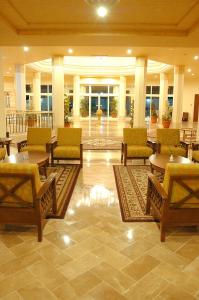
158	162
39	158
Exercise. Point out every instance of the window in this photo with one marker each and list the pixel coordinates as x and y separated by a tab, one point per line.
28	88
170	101
111	89
99	89
44	88
170	90
148	89
155	89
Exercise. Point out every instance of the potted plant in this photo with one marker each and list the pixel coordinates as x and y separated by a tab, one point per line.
131	122
67	122
166	117
84	107
113	108
154	115
31	120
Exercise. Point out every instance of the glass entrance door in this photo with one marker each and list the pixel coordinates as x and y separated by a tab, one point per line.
104	105
94	106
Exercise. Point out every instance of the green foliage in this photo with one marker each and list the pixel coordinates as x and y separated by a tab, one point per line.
153	111
132	113
168	113
113	106
66	108
84	107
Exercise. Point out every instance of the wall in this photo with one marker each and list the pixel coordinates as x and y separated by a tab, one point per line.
191	87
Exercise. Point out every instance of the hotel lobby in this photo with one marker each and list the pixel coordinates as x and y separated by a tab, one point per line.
106	67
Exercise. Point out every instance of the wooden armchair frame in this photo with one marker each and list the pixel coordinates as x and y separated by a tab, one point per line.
54	145
183	144
24	143
195	147
171	215
124	156
34	213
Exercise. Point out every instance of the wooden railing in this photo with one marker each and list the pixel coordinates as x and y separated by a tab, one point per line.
18	122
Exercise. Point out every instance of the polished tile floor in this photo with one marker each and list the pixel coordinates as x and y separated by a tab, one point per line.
92	254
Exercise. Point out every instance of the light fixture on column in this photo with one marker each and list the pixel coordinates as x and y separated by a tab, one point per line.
129	51
189	70
25	48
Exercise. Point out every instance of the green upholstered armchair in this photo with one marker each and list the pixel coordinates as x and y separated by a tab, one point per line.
23	197
68	145
168	142
2	153
176	202
38	139
195	152
135	144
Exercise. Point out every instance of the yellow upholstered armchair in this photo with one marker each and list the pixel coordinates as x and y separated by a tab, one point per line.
38	139
176	202
2	152
168	142
135	144
23	198
195	152
68	145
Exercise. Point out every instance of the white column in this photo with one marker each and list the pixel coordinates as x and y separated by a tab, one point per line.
163	93
122	98
140	92
2	103
178	95
76	96
58	90
20	87
37	91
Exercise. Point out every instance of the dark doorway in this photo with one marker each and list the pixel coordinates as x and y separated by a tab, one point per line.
196	108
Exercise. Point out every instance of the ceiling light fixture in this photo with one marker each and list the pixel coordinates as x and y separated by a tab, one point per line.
189	70
129	51
196	57
102	11
25	49
192	74
70	50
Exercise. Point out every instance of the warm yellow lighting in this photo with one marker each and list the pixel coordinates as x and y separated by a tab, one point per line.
130	235
25	49
70	50
102	11
66	239
189	70
129	51
192	74
12	158
71	211
196	57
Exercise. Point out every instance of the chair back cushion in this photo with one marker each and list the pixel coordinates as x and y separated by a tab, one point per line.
16	184
179	181
135	136
69	136
166	136
38	136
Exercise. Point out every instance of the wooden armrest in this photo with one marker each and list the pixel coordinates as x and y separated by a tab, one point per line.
152	144
184	144
21	144
46	185
51	144
156	184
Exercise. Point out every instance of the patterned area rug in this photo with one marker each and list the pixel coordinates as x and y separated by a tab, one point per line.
102	143
131	182
66	177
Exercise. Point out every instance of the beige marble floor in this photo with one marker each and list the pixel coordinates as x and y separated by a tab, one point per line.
92	254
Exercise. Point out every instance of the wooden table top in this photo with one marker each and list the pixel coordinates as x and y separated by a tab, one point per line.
159	161
39	158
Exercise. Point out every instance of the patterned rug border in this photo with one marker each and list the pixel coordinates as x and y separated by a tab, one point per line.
61	210
144	218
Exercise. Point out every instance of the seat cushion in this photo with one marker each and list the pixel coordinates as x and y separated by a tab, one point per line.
178	192
135	136
24	192
38	136
172	150
67	152
195	155
139	151
2	153
34	148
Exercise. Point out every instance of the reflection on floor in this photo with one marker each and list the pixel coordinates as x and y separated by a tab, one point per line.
92	254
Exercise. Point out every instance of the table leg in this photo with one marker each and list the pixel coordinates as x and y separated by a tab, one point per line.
8	148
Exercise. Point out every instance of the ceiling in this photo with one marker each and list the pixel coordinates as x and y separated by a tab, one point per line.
166	30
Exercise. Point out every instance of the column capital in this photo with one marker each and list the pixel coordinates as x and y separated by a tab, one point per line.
58	60
141	61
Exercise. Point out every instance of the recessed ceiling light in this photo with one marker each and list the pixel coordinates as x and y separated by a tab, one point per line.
70	50
192	74
102	11
129	51
25	49
189	70
196	57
